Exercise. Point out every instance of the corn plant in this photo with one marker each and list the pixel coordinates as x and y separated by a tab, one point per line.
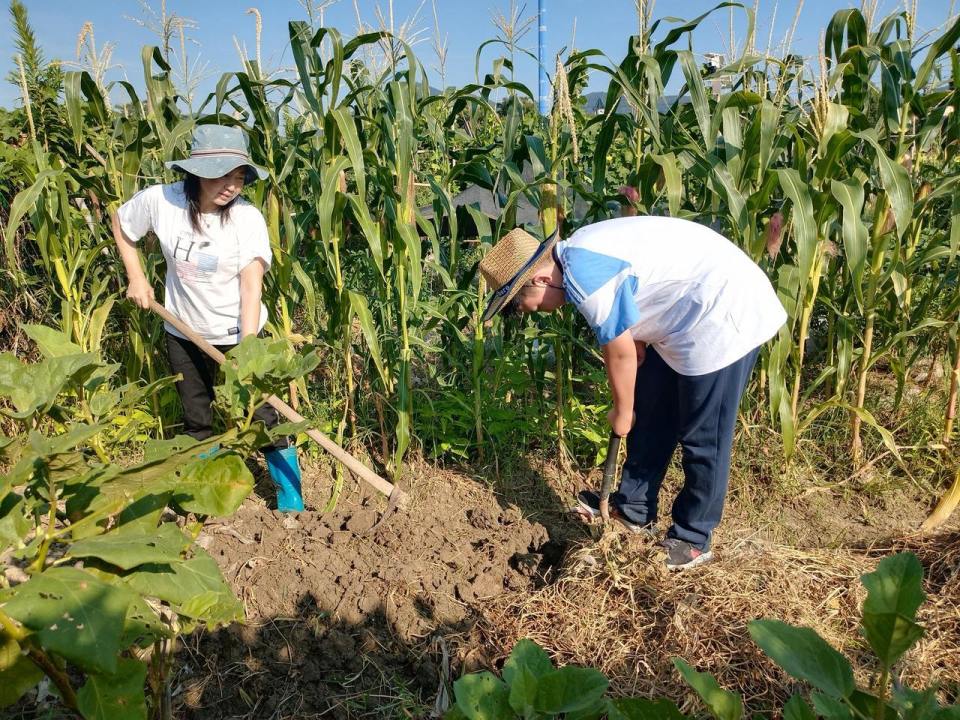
840	182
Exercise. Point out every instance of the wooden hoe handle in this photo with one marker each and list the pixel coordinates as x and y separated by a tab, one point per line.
396	495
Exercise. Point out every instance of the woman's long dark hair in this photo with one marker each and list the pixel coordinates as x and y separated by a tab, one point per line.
191	189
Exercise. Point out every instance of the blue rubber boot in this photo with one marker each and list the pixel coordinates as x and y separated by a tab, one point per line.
209	453
285	473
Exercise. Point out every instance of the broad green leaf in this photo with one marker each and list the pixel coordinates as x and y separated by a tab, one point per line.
918	705
526	654
523	692
482	696
896	182
894	593
723	704
15	522
115	696
804	655
127	549
195	587
570	689
527	663
73	614
158	449
214	486
36	386
596	712
797	709
157	476
849	194
52	343
143	625
829	707
454	713
643	709
866	705
9	652
804	225
17	675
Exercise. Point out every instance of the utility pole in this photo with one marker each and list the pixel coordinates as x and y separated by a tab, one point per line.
541	55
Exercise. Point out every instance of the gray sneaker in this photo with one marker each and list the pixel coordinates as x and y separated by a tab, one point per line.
588	508
681	555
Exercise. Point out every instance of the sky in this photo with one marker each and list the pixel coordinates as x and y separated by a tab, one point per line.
464	24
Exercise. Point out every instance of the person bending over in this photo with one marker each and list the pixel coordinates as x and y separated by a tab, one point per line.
681	313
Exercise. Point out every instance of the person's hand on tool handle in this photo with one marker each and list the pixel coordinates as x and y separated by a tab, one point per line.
140	292
620	423
138	289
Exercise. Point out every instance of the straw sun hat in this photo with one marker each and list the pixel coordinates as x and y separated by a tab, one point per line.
510	264
217	150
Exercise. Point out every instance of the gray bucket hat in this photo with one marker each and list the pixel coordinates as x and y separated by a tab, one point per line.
215	151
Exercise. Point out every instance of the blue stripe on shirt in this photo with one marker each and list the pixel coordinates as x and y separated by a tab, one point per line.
623	313
590	270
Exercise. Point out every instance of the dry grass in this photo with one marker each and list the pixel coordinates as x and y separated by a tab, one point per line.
618	609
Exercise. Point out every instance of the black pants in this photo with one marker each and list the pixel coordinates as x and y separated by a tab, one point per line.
698	413
199	372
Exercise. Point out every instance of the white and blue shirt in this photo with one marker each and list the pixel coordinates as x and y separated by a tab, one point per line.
693	295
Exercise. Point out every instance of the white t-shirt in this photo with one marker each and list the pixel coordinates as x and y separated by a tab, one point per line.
203	271
693	295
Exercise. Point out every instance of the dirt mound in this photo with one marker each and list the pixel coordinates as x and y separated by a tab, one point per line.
340	617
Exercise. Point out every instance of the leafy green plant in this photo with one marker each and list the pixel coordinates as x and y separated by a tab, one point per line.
257	368
889	627
531	688
101	573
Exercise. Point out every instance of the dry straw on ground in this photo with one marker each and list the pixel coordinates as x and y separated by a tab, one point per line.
617	608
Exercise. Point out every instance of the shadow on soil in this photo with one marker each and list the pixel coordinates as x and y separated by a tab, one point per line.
309	665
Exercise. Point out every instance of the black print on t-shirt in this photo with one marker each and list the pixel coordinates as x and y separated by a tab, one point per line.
194	265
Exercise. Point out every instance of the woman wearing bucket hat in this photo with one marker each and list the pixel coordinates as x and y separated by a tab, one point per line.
217	250
680	312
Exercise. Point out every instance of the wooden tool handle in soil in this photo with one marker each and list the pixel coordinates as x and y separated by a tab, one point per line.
346	459
609	471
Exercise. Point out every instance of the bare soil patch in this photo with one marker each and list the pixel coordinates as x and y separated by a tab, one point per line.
344	622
